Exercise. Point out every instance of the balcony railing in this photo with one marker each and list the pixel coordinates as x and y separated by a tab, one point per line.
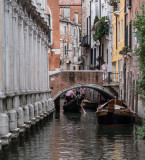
85	41
111	78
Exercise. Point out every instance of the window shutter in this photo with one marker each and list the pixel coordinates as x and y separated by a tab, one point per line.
130	35
91	56
126	37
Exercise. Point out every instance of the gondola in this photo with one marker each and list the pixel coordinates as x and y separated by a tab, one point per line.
115	112
73	106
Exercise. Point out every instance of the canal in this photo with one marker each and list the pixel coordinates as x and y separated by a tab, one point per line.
76	137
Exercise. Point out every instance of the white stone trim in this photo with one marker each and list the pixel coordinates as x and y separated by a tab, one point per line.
57	51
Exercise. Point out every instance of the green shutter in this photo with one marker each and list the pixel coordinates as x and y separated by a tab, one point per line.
126	37
49	36
130	35
130	2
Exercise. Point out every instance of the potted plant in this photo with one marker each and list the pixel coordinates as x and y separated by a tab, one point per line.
101	28
123	50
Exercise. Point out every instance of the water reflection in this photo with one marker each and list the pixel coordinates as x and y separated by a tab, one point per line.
76	137
117	141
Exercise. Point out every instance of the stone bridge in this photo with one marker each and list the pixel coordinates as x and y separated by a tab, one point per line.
60	82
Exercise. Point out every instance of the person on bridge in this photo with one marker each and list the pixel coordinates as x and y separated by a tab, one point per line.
104	69
69	95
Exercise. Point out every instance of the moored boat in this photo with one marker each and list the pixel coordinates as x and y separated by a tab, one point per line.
115	112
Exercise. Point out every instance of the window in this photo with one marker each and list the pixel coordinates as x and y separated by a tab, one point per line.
119	69
71	30
94	56
74	51
49	19
118	31
130	35
65	30
74	32
126	36
65	50
113	37
49	36
114	71
66	13
88	29
78	36
91	56
121	30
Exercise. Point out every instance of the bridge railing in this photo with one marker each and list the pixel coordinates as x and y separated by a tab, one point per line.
111	78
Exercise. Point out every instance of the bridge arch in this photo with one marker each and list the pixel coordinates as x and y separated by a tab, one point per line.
98	88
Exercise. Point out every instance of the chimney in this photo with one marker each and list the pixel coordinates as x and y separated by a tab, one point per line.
76	16
66	13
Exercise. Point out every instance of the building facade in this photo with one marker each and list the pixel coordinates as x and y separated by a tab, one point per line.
117	36
95	52
24	81
70	28
54	35
124	44
86	34
130	65
101	49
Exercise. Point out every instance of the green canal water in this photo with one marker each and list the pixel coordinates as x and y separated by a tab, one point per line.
76	137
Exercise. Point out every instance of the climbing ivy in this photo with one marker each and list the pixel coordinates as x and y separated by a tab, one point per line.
139	24
101	28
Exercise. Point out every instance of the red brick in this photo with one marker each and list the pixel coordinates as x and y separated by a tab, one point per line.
54	60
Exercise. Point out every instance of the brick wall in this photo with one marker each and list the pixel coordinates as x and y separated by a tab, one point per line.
63	80
75	6
73	9
132	67
54	56
132	13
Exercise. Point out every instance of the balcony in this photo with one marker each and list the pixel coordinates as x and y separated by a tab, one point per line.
116	9
85	41
116	13
112	2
